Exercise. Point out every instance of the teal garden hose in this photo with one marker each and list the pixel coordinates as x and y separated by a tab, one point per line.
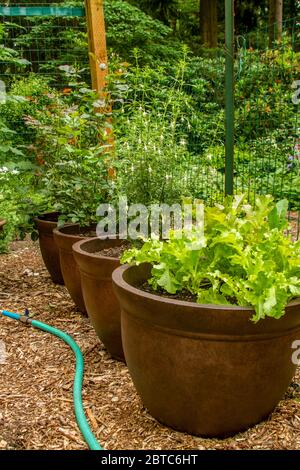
78	379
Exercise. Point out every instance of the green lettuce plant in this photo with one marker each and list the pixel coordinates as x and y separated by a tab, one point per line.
243	257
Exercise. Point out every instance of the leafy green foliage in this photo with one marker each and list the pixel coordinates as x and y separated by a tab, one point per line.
19	203
147	101
243	258
168	112
153	131
26	96
128	28
72	144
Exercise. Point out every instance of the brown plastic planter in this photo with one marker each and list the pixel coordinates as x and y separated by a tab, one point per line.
2	223
45	224
96	281
204	369
65	238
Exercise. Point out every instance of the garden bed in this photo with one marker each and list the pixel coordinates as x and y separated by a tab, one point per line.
36	407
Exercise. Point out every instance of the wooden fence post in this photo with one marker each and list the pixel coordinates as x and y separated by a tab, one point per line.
99	63
97	43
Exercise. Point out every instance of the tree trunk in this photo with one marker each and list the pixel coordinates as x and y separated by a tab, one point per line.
209	22
275	20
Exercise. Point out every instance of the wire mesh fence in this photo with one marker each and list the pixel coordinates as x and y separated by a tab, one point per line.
267	153
267	134
44	38
40	42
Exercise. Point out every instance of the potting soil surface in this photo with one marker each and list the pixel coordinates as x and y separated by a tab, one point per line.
113	252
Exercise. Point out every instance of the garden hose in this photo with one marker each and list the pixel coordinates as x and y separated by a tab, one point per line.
78	379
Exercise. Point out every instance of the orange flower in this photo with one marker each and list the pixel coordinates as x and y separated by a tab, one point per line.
40	160
112	173
67	91
30	98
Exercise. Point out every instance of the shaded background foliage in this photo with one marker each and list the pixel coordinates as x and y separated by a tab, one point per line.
169	128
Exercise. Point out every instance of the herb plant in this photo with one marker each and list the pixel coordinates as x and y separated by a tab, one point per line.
74	151
244	257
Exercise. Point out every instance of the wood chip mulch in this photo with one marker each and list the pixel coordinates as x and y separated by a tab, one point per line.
294	221
36	377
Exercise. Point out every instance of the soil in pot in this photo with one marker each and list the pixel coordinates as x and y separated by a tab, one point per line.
65	238
96	260
184	295
203	369
45	224
113	251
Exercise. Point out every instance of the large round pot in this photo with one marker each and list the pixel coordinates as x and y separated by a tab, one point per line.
2	223
65	237
45	225
203	369
96	281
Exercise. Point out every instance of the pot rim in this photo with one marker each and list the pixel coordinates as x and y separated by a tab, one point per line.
58	232
45	214
118	279
77	249
42	220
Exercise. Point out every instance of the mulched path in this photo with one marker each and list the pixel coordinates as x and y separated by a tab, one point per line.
294	221
36	408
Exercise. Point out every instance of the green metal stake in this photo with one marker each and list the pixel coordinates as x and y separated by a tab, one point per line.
229	96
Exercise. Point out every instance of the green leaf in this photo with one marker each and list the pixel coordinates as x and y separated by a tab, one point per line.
278	216
166	280
270	301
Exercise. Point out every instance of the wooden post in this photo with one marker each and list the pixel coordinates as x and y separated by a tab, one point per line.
275	20
99	63
97	43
